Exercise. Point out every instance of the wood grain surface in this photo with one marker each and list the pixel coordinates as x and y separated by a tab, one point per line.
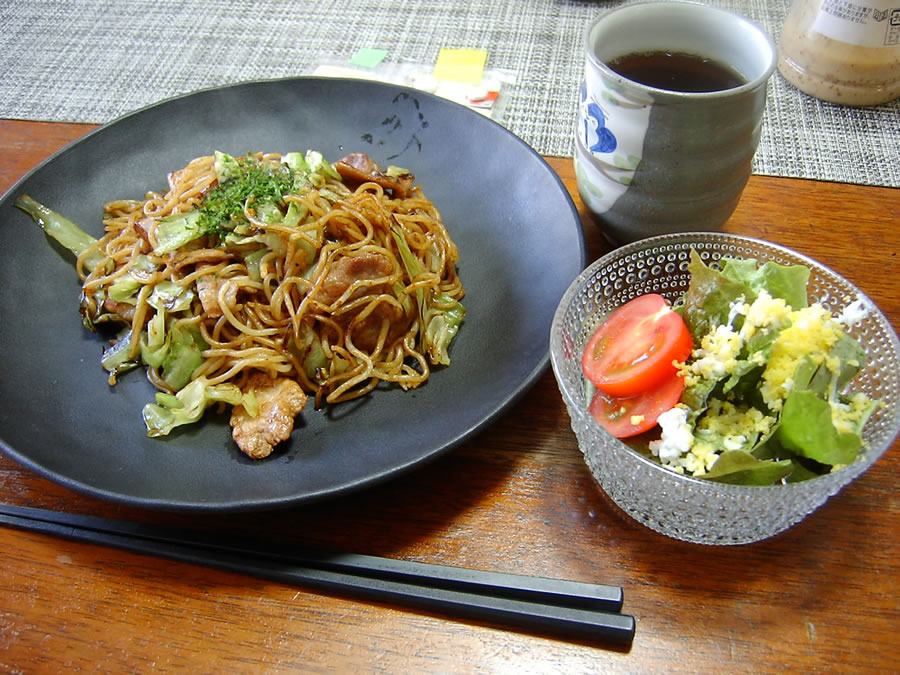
822	596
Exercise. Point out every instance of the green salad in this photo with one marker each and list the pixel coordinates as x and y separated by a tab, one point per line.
768	386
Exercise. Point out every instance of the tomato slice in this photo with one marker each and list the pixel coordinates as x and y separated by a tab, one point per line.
633	349
633	415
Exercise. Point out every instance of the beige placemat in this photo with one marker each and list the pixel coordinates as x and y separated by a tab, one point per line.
93	60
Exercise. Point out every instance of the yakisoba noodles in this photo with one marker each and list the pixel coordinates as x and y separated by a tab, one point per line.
257	280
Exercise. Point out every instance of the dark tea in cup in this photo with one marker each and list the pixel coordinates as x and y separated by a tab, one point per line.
676	71
670	112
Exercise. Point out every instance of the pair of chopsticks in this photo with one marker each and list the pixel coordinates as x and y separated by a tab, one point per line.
564	608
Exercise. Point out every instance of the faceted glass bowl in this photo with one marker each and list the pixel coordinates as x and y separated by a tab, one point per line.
683	507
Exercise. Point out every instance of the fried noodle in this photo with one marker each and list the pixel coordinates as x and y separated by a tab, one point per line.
328	302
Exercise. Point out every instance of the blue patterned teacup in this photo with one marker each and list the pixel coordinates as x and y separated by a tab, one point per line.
653	157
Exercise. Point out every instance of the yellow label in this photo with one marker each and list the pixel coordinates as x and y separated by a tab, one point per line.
460	65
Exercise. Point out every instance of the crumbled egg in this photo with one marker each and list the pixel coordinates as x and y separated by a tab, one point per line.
699	460
812	333
853	313
735	424
676	438
845	416
717	355
685	450
737	307
765	312
809	331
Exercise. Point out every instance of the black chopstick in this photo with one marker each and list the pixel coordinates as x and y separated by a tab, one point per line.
573	609
537	589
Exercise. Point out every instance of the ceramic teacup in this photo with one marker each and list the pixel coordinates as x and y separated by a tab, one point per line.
651	155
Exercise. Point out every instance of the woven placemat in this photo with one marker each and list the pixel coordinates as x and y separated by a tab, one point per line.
94	60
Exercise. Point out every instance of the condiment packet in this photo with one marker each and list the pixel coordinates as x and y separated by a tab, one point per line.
456	76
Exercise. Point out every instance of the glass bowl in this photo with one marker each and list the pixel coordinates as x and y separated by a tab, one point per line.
683	507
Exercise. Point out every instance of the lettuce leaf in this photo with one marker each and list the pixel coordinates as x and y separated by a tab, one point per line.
806	429
707	302
741	468
787	282
711	294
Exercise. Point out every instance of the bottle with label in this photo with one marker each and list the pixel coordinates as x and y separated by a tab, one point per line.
843	51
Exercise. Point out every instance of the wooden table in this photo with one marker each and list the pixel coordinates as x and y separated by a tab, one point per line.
823	595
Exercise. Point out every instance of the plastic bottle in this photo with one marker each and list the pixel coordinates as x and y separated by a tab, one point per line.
843	51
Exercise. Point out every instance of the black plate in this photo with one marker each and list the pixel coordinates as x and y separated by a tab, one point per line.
520	244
